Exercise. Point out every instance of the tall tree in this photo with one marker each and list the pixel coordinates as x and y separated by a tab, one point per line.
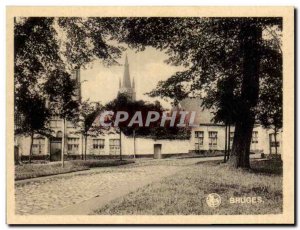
63	101
211	49
226	110
269	110
32	116
48	48
88	113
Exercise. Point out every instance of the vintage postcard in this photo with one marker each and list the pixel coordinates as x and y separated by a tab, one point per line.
150	115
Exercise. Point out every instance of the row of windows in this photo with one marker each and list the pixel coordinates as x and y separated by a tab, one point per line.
73	145
254	137
273	144
38	145
114	144
213	137
98	143
56	122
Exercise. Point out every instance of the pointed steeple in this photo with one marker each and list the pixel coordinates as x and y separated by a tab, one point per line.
133	83
126	77
127	87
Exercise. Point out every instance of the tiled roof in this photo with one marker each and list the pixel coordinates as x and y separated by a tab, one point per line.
203	116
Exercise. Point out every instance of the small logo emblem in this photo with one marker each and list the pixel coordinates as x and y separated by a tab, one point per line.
213	200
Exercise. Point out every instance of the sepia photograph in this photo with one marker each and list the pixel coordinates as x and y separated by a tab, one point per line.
149	115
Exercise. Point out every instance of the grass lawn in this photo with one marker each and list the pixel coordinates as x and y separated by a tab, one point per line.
27	171
185	192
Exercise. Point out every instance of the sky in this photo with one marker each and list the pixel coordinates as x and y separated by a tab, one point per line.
101	83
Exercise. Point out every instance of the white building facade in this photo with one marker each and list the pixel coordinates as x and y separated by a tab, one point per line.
210	136
207	138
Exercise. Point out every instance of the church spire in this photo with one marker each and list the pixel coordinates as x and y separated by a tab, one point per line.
133	83
127	87
126	77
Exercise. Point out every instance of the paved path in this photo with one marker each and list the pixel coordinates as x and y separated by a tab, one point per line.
81	193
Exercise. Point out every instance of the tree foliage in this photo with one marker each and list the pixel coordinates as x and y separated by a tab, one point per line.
88	113
60	91
209	48
34	115
154	130
47	43
224	59
47	48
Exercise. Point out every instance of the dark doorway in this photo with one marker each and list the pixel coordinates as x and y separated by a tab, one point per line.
157	151
55	149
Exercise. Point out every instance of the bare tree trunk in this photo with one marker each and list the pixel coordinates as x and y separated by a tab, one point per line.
225	152
134	146
82	147
120	145
63	144
30	150
275	139
250	36
16	153
228	145
85	144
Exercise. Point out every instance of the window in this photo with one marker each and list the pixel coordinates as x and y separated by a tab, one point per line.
55	122
272	141
59	134
75	74
70	124
231	136
273	144
73	145
255	137
114	146
18	120
98	143
38	146
213	138
55	117
199	136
